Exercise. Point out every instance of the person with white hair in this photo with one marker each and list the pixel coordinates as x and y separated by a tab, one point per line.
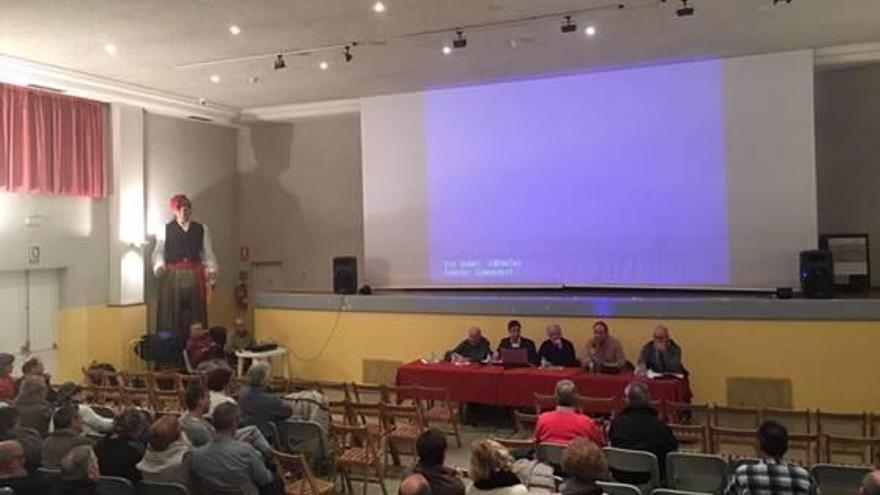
638	427
80	472
259	406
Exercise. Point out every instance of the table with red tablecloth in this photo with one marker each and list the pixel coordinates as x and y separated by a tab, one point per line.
496	385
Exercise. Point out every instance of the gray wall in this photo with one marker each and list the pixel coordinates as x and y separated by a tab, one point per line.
848	154
301	197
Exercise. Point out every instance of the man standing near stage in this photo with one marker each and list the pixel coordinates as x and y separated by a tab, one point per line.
186	266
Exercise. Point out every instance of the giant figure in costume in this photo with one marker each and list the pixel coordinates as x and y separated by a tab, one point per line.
186	266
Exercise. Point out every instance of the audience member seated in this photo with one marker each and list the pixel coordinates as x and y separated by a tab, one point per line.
415	484
200	432
661	354
227	463
94	424
68	434
28	438
34	367
638	427
13	473
7	384
515	340
258	405
583	463
491	471
216	382
431	450
771	474
604	353
241	339
32	404
557	350
870	484
119	453
203	352
80	472
475	348
564	424
167	459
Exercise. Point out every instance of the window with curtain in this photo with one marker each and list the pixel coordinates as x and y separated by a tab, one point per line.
51	143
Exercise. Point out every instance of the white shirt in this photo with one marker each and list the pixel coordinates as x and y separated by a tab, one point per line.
217	398
209	259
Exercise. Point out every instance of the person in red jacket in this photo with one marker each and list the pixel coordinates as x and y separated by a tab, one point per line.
7	384
201	348
565	424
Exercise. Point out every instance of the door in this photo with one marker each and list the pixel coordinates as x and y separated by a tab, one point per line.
13	308
29	302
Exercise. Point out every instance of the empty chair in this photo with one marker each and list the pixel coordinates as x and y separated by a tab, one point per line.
157	488
551	453
294	472
544	402
634	464
842	425
112	485
736	417
597	406
794	420
437	408
525	423
309	439
687	414
865	450
610	488
834	479
733	442
696	472
691	438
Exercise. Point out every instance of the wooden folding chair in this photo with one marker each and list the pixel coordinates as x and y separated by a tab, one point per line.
278	384
522	444
103	387
338	397
604	407
358	450
184	380
808	444
544	402
691	438
438	408
294	471
746	439
136	390
525	423
165	394
736	417
402	426
866	449
853	425
685	413
794	420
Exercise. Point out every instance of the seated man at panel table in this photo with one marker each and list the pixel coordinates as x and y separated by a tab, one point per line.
771	474
475	348
557	350
203	352
662	354
604	353
515	340
564	424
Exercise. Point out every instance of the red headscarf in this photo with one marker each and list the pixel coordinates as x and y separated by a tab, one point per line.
179	201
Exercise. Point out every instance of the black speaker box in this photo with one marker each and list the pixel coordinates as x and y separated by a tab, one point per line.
345	275
817	274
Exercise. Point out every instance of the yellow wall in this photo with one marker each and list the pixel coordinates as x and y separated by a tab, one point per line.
831	364
97	333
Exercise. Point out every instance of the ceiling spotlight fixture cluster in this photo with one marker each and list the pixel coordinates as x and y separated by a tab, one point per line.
777	2
279	62
347	54
685	10
460	41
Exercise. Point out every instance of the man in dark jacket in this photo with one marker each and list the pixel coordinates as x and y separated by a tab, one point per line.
515	340
431	448
637	427
475	348
259	406
662	354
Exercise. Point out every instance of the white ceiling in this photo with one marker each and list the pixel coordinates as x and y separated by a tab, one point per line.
154	37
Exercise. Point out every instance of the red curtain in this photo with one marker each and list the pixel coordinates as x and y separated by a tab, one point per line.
51	143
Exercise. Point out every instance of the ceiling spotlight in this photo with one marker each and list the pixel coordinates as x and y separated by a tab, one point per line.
446	50
568	26
590	31
215	78
460	41
685	10
110	48
347	54
234	30
253	80
324	65
279	62
777	2
378	7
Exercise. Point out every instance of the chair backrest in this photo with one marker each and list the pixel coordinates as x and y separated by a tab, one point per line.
696	472
736	417
516	443
292	468
157	488
189	366
794	420
685	413
610	488
358	436
835	479
597	406
367	393
525	423
808	444
550	453
300	385
842	424
691	437
305	437
544	402
113	485
865	449
720	436
634	461
392	414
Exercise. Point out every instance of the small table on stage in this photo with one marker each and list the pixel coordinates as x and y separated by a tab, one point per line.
267	356
495	385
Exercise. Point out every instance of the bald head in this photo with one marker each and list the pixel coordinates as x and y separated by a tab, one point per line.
554	333
11	458
475	334
871	484
414	484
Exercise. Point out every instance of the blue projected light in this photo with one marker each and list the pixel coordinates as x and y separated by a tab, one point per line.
614	178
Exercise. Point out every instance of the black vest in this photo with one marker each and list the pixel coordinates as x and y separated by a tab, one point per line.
183	245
